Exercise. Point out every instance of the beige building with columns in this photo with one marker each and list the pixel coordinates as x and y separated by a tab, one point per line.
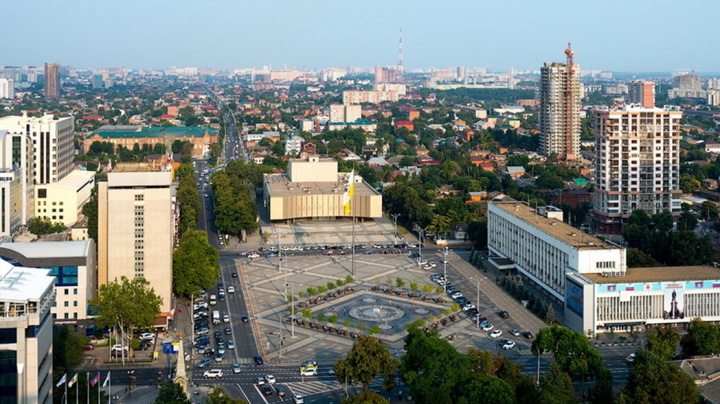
136	227
313	189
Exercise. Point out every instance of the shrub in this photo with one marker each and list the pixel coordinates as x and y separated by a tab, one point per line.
340	282
321	288
330	285
307	313
332	318
427	288
301	294
413	286
349	279
374	330
399	282
311	292
320	316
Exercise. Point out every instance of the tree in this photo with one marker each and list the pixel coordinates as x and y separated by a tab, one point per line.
709	210
126	304
636	258
687	221
652	379
556	387
172	393
42	226
702	339
365	397
220	396
490	390
67	350
195	264
662	341
90	210
367	359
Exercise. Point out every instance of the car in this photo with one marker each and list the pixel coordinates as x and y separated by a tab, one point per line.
422	261
221	297
147	335
231	344
260	380
432	264
270	379
468	307
508	345
456	295
217	334
487	327
504	314
218	357
369	252
202	349
221	349
630	358
281	391
258	360
88	347
199	315
253	255
231	289
245	319
234	274
199	305
331	372
514	332
450	289
209	352
220	340
271	255
309	371
204	362
236	368
472	312
267	390
495	333
228	330
226	318
528	335
298	399
145	345
118	347
213	374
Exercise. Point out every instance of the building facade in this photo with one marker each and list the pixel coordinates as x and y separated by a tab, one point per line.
340	113
642	93
52	80
6	88
371	97
136	226
638	163
128	135
52	144
63	201
16	189
560	95
589	278
26	336
313	189
293	144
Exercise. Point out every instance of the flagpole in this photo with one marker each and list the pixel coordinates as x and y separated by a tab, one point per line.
87	383
352	204
65	397
98	383
77	393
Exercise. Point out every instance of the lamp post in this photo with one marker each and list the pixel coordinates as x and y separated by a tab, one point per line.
478	279
420	239
445	252
395	216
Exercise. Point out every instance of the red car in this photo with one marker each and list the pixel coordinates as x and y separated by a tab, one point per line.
89	347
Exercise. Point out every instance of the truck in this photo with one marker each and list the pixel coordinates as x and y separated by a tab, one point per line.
216	317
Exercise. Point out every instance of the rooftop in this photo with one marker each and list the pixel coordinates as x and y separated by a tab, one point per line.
139	167
130	131
556	228
21	284
660	274
76	179
45	249
279	185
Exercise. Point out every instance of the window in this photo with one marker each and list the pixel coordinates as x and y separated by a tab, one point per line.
42	193
67	304
75	303
139	197
67	316
75	291
67	291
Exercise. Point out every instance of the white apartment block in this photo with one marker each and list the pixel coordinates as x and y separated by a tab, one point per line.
16	182
63	201
71	263
293	144
26	336
52	144
371	97
560	95
136	227
638	163
589	277
6	89
341	113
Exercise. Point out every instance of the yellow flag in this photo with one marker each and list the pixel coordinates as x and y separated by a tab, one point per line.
349	192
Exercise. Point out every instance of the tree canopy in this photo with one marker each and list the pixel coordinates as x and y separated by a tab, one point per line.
195	263
172	393
126	304
652	379
368	359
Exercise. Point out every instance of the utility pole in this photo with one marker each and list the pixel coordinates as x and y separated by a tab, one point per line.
292	311
445	252
420	239
395	216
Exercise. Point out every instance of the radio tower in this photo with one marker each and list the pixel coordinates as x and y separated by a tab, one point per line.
400	77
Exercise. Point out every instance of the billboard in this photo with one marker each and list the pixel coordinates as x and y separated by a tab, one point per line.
674	302
574	297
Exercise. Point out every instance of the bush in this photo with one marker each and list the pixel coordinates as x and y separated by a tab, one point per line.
427	288
374	330
361	326
455	307
320	316
311	292
346	323
307	313
301	294
413	286
349	279
332	318
340	282
439	290
330	285
399	282
321	288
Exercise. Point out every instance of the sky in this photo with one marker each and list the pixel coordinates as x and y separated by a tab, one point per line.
611	35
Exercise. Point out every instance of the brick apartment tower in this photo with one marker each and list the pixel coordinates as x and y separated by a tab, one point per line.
642	92
52	80
638	163
560	94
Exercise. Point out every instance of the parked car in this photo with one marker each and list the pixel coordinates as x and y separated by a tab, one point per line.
514	332
88	347
495	333
270	379
487	327
147	335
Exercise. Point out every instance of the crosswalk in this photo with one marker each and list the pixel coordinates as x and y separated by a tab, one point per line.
314	387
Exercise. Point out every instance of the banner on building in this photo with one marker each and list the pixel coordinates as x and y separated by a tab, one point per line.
674	306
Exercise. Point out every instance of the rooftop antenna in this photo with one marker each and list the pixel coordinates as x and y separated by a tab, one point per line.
400	77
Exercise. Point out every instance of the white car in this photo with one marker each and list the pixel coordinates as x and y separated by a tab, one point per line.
147	335
487	327
213	374
260	381
495	334
298	399
468	307
118	347
200	305
508	345
231	289
456	295
226	318
270	379
309	372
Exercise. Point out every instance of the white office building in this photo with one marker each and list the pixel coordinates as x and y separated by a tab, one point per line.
6	88
26	297
293	144
589	277
16	182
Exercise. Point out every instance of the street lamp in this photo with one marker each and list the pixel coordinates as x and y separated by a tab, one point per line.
445	252
477	302
420	240
395	216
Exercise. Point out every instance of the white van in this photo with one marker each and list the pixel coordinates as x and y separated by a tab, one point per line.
216	317
213	300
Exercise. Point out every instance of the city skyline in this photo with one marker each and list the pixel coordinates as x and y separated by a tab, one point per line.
315	35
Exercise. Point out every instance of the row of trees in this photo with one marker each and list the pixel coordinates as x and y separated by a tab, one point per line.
234	196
